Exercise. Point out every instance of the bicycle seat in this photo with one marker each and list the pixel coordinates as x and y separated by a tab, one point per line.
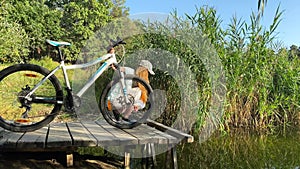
57	44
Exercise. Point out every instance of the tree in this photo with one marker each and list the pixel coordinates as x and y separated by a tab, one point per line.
73	21
13	39
38	21
119	10
81	19
294	52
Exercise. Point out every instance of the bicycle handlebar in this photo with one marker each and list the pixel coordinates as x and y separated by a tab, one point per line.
115	43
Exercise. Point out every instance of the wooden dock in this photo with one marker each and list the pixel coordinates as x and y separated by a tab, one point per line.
69	136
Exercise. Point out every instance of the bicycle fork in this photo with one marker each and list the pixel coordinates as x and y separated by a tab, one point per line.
123	85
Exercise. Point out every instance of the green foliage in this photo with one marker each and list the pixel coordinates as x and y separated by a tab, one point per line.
38	22
46	62
294	52
207	21
251	79
13	38
170	46
261	84
81	20
72	21
261	6
14	42
119	10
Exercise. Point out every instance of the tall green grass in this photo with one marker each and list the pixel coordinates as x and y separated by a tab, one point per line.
262	84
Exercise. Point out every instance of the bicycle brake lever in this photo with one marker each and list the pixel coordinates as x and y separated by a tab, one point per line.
117	42
120	41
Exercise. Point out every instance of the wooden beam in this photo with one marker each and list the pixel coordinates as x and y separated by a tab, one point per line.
173	132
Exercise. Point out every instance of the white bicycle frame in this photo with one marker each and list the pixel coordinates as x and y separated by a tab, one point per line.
108	59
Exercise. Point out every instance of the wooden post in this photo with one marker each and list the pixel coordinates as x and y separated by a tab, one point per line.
168	159
174	157
105	152
153	154
148	156
171	155
69	159
144	156
127	160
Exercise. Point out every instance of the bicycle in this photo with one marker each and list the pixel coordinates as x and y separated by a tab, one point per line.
32	96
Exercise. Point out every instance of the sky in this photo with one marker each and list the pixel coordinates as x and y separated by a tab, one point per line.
288	31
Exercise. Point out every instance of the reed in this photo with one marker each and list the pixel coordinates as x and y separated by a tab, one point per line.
262	82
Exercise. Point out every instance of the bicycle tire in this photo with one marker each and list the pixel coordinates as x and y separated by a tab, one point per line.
15	83
138	117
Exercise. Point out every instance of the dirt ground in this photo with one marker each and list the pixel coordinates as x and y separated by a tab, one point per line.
54	161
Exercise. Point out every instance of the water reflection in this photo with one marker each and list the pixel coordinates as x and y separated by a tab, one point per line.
243	150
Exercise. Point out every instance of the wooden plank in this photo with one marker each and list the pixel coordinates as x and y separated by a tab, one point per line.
146	134
74	134
123	137
80	135
152	135
8	139
35	139
170	139
176	133
58	136
103	137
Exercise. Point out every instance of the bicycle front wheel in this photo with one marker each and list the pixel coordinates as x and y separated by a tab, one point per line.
127	115
21	109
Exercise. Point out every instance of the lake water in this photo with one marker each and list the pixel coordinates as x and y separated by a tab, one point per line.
243	150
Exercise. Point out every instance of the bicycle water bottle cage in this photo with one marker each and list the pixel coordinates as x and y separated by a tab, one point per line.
57	44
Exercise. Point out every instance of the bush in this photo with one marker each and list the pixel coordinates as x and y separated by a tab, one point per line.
14	42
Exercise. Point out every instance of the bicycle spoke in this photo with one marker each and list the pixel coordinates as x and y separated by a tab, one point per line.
20	110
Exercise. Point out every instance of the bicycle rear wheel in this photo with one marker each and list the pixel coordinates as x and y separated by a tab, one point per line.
115	116
21	114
